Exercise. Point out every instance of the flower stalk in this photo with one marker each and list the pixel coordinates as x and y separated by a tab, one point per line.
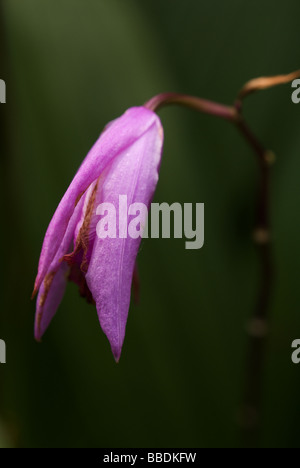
126	159
250	415
198	104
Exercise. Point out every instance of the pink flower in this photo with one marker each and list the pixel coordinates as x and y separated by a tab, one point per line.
124	161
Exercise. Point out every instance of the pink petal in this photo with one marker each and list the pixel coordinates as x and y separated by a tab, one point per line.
53	285
135	174
118	136
49	298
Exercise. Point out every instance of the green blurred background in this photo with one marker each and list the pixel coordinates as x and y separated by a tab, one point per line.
70	67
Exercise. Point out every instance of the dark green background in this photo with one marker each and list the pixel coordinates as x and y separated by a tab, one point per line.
70	67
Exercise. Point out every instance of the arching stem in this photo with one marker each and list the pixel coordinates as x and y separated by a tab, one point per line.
257	328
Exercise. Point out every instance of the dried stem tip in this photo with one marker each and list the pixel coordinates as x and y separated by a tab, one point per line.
266	82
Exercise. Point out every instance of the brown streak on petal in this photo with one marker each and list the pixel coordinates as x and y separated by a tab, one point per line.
79	198
47	285
34	293
70	258
84	231
82	241
77	260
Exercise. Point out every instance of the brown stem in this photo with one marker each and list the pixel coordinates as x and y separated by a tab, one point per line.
258	326
198	104
250	416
